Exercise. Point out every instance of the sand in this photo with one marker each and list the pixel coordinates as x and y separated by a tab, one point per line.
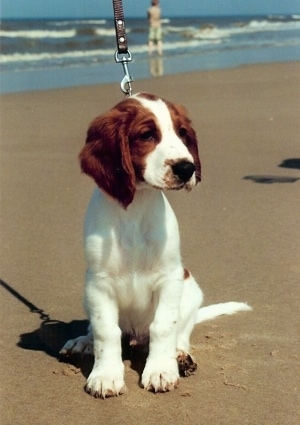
240	232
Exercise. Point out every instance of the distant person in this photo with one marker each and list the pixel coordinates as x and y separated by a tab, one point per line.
155	31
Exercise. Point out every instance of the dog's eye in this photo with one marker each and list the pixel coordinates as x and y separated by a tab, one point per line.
182	132
147	135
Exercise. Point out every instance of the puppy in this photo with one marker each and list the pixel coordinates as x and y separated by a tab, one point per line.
135	281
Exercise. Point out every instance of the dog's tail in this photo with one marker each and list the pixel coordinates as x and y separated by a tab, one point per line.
215	310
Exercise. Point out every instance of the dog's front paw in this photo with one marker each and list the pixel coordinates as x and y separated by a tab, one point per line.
160	376
104	384
82	345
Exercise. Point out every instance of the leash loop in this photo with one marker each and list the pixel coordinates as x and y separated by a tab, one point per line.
122	55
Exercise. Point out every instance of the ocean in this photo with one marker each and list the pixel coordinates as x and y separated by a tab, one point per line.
45	54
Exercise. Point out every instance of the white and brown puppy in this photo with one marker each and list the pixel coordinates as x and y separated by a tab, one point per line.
135	281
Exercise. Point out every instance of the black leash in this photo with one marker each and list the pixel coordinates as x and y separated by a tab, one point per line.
123	54
33	308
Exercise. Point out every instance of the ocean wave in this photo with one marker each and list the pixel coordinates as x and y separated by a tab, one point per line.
214	31
273	26
38	34
239	28
108	32
181	29
41	34
79	22
37	57
85	54
102	54
205	32
277	17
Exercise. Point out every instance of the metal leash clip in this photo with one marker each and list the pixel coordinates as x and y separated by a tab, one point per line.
127	79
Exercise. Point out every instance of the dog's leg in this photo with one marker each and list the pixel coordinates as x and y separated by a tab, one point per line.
161	369
107	376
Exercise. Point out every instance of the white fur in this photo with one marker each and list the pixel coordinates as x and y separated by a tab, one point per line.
135	278
215	310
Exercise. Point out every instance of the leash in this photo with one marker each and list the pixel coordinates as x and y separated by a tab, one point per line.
122	54
33	308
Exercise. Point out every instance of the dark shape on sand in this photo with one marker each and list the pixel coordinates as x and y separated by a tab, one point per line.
271	179
291	163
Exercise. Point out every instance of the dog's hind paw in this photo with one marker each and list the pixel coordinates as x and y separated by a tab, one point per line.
186	364
83	345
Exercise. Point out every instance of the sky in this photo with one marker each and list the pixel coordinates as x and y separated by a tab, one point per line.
137	8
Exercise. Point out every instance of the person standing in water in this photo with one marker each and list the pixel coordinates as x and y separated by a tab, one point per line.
155	30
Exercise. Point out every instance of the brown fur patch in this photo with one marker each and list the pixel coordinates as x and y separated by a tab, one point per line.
186	274
148	96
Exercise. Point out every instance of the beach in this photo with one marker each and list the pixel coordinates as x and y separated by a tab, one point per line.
240	239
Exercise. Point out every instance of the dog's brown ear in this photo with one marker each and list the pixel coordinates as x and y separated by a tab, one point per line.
106	157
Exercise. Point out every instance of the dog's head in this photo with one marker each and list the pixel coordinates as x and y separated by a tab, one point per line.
142	140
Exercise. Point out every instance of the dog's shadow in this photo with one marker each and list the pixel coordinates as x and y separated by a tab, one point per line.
51	336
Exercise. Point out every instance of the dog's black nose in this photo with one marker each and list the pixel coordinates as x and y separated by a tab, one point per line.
183	170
